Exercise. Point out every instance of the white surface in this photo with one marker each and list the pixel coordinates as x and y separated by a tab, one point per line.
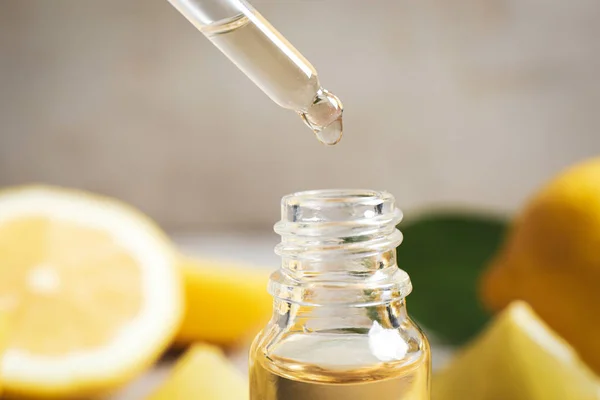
251	248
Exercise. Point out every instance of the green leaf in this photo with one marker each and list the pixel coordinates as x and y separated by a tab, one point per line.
444	254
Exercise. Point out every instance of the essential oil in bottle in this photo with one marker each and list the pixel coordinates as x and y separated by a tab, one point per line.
340	328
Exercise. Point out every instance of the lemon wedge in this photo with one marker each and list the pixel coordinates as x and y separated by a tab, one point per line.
518	358
92	289
203	373
226	303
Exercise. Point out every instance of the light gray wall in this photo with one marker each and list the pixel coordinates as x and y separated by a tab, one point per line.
466	102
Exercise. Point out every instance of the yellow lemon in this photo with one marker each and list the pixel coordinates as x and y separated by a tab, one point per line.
518	358
225	303
92	289
203	373
3	331
551	259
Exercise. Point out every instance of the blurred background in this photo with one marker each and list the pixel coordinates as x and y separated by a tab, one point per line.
468	103
462	110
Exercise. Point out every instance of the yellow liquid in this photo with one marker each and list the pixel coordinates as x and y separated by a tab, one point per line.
348	371
276	67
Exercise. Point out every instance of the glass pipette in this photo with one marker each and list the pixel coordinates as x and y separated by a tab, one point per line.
269	60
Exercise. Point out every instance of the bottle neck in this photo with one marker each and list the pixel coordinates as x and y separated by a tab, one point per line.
338	248
291	316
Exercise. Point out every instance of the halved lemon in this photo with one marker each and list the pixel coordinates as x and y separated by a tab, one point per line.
2	336
91	289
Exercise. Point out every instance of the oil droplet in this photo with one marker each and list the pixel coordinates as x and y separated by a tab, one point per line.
324	117
331	134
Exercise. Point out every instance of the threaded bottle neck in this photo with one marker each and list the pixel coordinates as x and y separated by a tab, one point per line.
339	247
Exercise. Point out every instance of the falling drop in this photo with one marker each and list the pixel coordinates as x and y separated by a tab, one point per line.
331	134
324	117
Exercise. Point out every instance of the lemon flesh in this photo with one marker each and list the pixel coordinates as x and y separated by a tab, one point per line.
203	373
3	332
92	290
518	358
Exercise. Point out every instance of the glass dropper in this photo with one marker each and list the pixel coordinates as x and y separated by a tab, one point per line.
269	60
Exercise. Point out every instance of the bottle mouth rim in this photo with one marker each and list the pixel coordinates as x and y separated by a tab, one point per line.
352	196
337	213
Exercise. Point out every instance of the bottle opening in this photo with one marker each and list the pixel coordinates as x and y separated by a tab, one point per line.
339	244
337	212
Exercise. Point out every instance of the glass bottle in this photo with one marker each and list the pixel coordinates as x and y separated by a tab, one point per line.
340	328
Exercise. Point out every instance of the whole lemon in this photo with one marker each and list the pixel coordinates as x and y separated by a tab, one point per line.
551	259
